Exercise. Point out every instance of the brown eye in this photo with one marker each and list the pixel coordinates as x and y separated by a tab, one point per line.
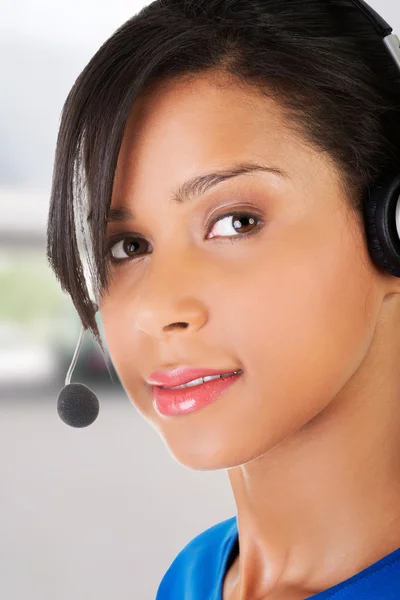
241	223
127	247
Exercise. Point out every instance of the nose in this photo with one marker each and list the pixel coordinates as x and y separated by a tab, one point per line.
181	314
167	302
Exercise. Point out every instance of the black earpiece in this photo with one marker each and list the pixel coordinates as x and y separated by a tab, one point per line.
382	224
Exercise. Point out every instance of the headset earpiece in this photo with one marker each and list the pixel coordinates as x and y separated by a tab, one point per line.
382	221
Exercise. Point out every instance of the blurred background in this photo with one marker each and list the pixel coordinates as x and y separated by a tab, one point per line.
85	513
99	512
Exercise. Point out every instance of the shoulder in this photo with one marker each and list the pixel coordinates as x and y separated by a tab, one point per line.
198	564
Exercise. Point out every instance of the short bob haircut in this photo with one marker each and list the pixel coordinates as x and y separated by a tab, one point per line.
322	59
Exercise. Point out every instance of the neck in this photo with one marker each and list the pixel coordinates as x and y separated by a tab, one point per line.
324	503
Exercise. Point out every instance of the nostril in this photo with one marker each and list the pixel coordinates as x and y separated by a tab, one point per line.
180	324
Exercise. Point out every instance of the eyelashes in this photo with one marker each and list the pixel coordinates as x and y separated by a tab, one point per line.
129	243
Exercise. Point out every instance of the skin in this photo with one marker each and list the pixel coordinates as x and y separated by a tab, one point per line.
309	434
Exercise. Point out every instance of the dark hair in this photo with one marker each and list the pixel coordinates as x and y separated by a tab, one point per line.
332	72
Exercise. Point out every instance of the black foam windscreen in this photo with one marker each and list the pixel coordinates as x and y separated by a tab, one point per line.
77	405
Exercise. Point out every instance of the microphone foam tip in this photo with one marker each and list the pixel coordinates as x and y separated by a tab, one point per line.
77	405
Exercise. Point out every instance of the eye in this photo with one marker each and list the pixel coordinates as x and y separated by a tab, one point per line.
238	220
125	247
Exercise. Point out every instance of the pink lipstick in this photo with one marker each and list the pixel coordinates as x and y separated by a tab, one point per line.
184	400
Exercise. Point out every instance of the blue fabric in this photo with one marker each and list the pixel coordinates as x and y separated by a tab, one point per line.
198	571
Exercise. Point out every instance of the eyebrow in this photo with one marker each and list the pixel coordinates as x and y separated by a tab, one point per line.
196	186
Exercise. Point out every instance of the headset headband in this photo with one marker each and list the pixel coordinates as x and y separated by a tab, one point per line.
379	23
383	28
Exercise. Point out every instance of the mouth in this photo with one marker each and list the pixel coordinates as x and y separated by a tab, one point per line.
184	399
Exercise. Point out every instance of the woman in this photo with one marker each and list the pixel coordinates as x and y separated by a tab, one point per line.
218	157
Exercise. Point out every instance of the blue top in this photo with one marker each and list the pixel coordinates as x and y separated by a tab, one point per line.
198	571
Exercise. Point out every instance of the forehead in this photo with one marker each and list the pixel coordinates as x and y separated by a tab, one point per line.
188	126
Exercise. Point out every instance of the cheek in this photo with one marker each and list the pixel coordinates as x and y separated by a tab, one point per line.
118	337
305	322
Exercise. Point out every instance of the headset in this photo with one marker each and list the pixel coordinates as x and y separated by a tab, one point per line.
78	406
382	205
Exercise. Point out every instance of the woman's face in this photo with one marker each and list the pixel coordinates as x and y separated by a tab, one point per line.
294	305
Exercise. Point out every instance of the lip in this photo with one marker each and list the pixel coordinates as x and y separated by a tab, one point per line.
182	375
171	403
